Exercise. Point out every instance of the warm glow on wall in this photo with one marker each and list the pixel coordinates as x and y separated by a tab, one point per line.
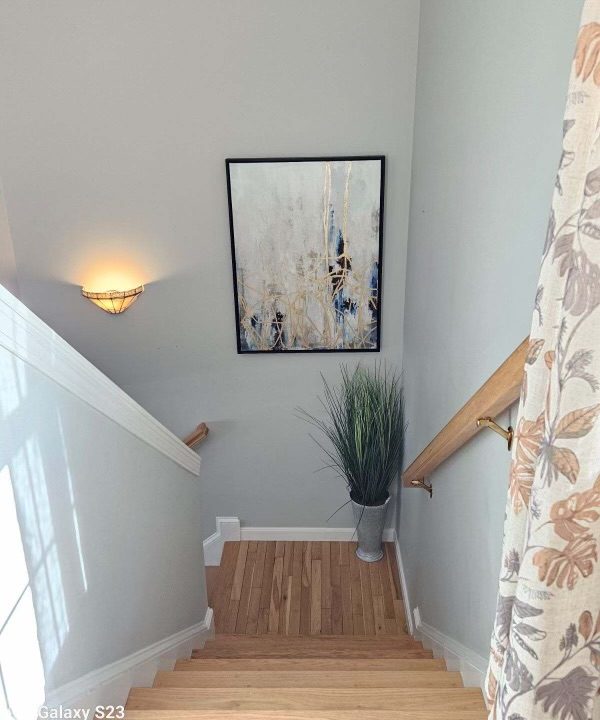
113	301
118	274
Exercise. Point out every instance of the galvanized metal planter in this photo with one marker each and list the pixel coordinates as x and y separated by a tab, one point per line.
370	521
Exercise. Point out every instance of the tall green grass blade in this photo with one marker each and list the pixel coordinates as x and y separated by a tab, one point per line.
364	424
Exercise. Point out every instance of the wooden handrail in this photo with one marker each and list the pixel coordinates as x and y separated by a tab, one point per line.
197	436
496	394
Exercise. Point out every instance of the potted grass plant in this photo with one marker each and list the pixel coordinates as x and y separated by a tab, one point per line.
364	424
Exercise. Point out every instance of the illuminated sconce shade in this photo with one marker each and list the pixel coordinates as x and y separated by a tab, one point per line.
114	301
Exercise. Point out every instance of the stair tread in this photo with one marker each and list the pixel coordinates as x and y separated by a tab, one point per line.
305	714
299	641
333	698
308	679
200	664
311	651
274	638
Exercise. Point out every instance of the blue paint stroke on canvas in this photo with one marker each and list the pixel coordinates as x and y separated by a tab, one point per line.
307	254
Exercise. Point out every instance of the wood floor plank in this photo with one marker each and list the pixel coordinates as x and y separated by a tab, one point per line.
213	574
224	582
346	593
386	586
367	599
242	618
276	593
379	614
253	611
284	613
288	605
296	590
336	590
265	594
358	625
256	589
231	616
262	626
325	621
259	569
376	590
238	578
377	595
326	575
337	626
391	627
356	591
305	589
315	596
229	562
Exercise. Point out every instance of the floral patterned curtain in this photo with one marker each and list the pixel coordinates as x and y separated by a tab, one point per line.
545	652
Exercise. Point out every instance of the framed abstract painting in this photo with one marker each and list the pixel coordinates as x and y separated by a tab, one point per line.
306	243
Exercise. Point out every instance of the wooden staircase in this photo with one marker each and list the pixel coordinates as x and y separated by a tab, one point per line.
326	677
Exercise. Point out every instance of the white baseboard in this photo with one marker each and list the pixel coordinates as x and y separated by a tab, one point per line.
228	528
110	685
471	666
403	585
306	533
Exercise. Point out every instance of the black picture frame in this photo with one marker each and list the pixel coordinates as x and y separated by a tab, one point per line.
326	158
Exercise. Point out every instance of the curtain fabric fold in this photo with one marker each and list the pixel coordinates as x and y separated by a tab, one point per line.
545	650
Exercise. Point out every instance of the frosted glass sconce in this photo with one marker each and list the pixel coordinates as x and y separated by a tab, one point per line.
114	301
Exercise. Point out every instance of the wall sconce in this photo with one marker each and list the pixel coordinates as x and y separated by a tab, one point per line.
114	301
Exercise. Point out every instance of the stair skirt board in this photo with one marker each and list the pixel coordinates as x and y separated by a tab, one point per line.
471	666
111	684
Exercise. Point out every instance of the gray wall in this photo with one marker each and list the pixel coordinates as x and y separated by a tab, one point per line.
117	118
109	531
492	79
8	267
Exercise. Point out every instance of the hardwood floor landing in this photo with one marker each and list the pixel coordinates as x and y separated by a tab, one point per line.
304	588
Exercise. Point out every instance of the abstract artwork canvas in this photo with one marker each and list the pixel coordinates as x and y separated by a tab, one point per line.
306	240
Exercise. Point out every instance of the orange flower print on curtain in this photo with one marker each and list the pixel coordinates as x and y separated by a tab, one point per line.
545	650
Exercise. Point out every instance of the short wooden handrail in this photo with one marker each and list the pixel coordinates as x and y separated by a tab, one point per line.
496	394
197	436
